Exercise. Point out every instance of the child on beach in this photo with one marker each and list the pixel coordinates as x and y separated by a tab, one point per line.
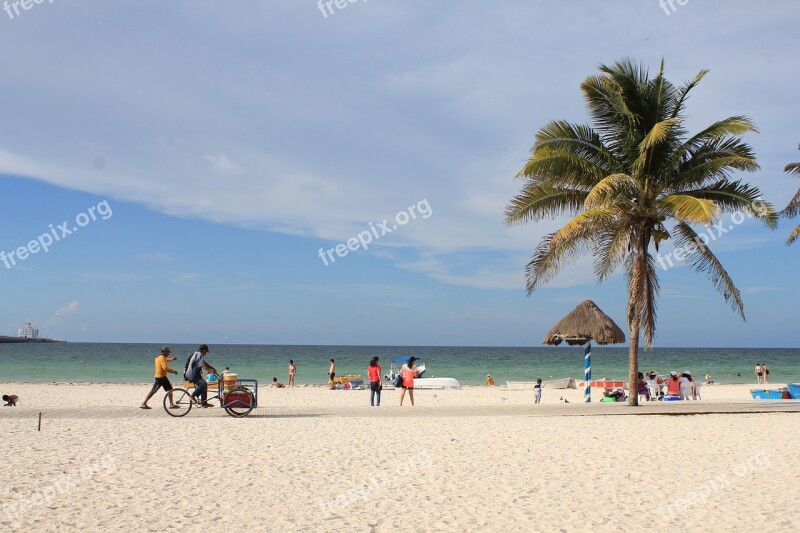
10	399
537	391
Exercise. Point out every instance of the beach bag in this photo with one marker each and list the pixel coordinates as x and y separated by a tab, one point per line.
398	380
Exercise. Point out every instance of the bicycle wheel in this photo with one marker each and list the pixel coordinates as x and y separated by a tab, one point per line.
239	402
180	398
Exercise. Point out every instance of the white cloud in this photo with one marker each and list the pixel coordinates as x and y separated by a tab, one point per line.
324	143
154	257
62	312
222	165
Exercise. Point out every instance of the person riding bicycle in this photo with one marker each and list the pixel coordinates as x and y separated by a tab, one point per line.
194	373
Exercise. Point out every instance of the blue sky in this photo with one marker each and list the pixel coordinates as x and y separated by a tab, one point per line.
232	143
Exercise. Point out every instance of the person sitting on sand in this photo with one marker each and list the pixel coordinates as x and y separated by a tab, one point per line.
708	378
653	385
10	399
277	384
642	387
673	384
161	363
489	380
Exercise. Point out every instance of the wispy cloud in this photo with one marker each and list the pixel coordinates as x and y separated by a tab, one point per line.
153	257
185	278
62	312
222	165
114	276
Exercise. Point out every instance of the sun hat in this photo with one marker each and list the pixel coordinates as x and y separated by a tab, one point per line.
673	374
165	349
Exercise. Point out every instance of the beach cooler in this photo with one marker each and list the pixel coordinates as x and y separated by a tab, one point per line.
671	398
794	390
768	394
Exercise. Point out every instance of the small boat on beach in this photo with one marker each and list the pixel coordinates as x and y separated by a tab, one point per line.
421	382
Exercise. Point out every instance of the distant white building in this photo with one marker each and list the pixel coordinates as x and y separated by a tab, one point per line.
28	331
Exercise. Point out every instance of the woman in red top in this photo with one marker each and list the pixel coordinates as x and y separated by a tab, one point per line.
409	374
374	376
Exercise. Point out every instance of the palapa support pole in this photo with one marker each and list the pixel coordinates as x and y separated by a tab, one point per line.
587	371
40	421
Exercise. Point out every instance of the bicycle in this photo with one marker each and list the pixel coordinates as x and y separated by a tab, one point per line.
238	399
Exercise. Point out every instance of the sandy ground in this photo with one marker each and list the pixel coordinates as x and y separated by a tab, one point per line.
318	460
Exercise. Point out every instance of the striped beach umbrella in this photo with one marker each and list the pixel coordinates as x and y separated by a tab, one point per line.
584	324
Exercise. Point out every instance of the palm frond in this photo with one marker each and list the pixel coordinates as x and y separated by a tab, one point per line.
565	245
701	259
733	196
537	202
615	185
683	93
793	236
690	209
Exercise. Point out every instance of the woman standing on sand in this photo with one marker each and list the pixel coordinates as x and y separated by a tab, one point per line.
292	372
375	386
408	374
765	370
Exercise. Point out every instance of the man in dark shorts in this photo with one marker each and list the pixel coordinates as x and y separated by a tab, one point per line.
162	368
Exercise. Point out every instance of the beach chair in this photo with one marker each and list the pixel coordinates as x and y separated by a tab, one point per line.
687	390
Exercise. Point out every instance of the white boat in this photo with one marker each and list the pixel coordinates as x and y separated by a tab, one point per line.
420	382
436	383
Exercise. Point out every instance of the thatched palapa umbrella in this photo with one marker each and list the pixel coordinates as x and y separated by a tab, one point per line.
583	324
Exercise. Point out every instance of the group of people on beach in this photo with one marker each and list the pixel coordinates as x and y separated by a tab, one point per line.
651	387
762	374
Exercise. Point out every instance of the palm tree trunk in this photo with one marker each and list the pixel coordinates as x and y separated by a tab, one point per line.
633	363
635	303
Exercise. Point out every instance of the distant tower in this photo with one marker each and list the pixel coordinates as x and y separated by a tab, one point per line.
28	331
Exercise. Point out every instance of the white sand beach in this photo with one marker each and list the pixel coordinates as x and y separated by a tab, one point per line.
479	459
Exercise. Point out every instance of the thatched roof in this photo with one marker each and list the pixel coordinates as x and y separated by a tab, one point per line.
585	321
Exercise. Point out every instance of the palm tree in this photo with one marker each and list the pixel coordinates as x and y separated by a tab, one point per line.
631	180
791	210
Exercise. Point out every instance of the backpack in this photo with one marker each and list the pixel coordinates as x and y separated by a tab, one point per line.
398	380
188	374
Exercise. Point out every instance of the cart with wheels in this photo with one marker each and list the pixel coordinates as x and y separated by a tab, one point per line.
238	397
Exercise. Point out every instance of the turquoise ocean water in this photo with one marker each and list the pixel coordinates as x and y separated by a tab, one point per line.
133	363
